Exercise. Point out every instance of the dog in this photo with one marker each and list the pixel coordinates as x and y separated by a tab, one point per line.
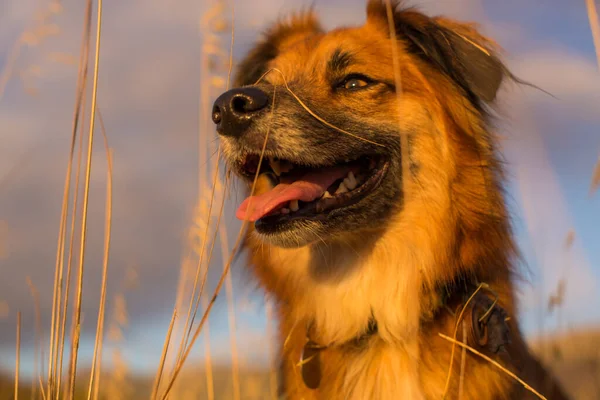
377	219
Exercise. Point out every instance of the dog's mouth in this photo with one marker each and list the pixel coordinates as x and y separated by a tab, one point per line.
303	192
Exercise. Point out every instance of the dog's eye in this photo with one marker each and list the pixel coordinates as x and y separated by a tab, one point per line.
355	83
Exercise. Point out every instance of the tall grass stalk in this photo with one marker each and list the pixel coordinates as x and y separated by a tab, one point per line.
54	371
204	215
101	315
208	50
271	348
77	313
228	264
37	341
97	357
163	357
494	363
594	18
235	368
18	355
208	370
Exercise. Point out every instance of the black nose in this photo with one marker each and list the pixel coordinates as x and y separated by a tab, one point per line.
233	110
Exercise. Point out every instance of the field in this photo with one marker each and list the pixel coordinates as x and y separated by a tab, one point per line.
574	358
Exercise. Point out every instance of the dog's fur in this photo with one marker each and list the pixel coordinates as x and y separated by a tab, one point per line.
389	258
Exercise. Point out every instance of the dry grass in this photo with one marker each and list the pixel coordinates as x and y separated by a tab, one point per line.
574	356
97	357
18	355
38	350
84	218
163	358
493	362
594	19
59	314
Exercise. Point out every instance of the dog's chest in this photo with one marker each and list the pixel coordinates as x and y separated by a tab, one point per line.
379	371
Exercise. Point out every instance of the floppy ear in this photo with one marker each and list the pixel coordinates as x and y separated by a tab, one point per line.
254	65
456	50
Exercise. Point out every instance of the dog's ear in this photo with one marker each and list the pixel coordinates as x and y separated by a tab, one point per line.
295	27
456	50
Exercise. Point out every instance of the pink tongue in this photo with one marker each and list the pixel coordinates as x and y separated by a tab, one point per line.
308	188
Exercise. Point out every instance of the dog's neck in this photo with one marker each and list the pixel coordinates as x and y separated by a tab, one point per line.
338	288
445	299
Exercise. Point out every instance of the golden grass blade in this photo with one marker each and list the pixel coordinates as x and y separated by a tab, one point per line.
493	362
204	99
192	309
272	371
101	315
193	306
54	373
37	349
595	178
212	243
398	82
235	368
41	383
163	357
592	12
208	371
60	345
96	359
231	44
235	372
200	294
311	112
228	265
77	316
463	362
458	321
179	300
205	220
18	359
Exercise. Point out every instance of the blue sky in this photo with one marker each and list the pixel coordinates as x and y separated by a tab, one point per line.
149	84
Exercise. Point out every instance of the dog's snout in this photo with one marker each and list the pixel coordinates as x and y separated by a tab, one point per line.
233	110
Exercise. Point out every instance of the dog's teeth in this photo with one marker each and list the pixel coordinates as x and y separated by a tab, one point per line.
327	195
285	210
341	189
352	177
275	166
294	205
350	181
348	184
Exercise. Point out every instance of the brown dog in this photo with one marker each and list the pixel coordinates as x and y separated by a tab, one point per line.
379	220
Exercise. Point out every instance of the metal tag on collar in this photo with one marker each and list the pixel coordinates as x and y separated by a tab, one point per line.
310	364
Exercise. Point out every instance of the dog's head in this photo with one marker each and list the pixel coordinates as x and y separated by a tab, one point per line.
350	120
